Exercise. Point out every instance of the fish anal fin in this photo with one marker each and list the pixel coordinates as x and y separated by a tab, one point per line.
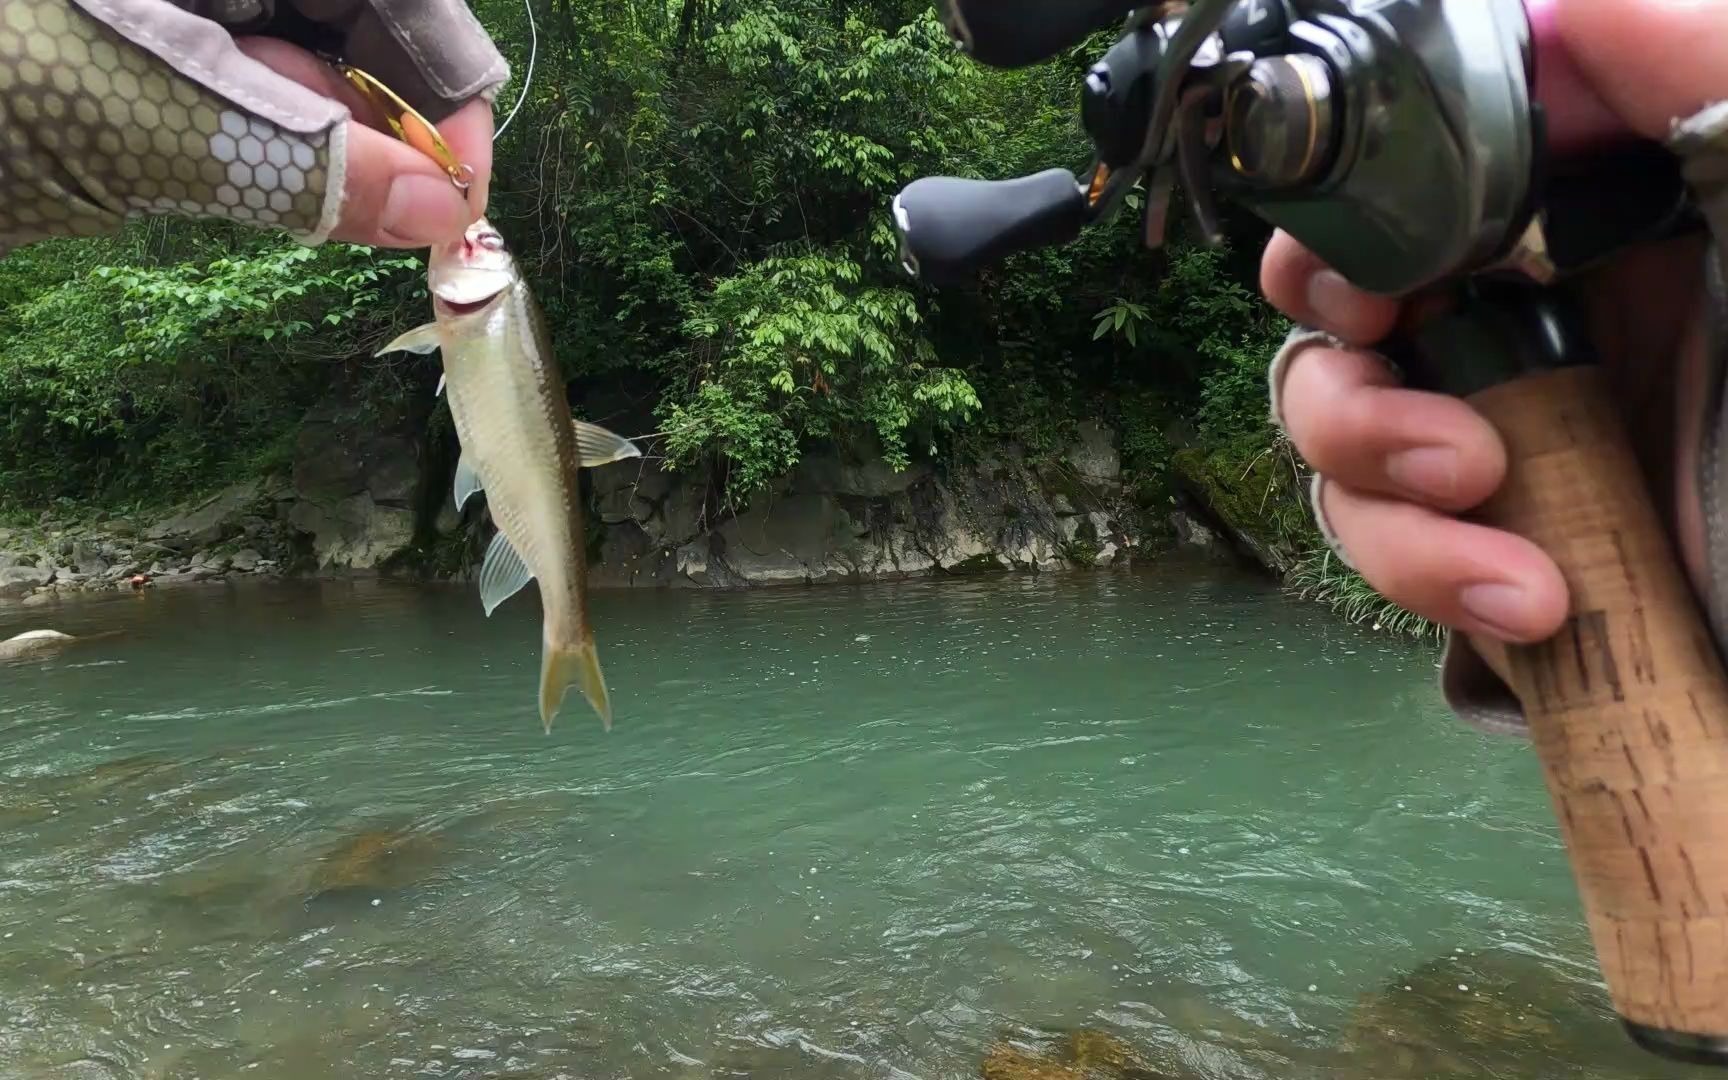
561	668
502	574
601	447
467	481
422	339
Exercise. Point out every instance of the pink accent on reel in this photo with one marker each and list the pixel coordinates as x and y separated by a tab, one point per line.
1577	118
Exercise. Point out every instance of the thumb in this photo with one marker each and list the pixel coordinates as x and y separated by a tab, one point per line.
1652	61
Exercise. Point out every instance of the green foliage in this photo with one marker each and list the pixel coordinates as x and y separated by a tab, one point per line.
130	375
1124	317
796	348
1143	419
1231	332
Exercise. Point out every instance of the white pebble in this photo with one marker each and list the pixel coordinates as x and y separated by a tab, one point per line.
812	869
272	993
818	918
167	1046
376	901
1312	988
1464	988
1406	988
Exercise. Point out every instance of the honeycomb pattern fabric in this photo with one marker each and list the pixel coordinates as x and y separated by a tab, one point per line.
94	129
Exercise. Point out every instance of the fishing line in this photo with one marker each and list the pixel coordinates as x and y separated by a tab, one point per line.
527	79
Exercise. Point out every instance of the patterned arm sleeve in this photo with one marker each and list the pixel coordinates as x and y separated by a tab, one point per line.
111	109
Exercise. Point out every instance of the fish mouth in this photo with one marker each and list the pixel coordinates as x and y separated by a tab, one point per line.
465	307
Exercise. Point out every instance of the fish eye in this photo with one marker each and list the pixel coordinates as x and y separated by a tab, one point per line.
492	241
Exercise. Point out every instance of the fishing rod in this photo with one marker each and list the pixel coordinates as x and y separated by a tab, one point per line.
1408	145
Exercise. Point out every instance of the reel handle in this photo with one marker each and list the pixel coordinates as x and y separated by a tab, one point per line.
1016	33
950	227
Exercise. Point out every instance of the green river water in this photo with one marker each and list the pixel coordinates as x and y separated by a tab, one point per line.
315	830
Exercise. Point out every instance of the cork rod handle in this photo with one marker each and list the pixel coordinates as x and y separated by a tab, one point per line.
1628	710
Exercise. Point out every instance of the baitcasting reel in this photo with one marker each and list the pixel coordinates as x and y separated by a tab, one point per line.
1406	144
1399	140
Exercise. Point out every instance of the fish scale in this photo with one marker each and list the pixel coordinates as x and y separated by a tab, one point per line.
491	395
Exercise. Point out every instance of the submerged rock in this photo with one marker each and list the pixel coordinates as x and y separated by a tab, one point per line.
1083	1054
1479	1014
377	860
126	770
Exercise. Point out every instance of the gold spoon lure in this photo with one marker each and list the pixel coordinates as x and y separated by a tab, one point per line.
407	124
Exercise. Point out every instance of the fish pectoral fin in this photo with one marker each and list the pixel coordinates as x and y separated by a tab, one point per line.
467	481
560	668
503	573
601	447
421	339
438	393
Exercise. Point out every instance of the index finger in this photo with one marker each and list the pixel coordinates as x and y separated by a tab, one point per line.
375	163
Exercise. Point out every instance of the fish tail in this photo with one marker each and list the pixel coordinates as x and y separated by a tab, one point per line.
562	667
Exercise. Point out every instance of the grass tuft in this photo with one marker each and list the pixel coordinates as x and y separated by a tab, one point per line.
1322	577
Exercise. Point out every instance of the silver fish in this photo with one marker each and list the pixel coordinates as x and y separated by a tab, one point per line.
521	447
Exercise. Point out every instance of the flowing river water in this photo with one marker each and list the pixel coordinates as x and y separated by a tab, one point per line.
1166	820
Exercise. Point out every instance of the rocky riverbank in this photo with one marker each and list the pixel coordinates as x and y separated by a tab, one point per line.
235	533
370	495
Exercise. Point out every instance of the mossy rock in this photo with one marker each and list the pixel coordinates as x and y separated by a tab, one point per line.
1253	494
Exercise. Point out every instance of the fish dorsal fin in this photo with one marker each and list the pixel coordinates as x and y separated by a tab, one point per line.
421	339
467	481
503	573
600	447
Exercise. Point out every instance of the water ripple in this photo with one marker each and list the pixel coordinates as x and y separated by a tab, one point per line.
316	830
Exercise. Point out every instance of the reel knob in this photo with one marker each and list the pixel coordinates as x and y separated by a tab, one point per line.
1278	120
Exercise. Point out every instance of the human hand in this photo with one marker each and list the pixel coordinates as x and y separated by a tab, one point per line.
117	108
1400	467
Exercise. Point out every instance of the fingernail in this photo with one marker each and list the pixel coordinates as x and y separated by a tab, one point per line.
1498	606
423	209
1332	298
1428	470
